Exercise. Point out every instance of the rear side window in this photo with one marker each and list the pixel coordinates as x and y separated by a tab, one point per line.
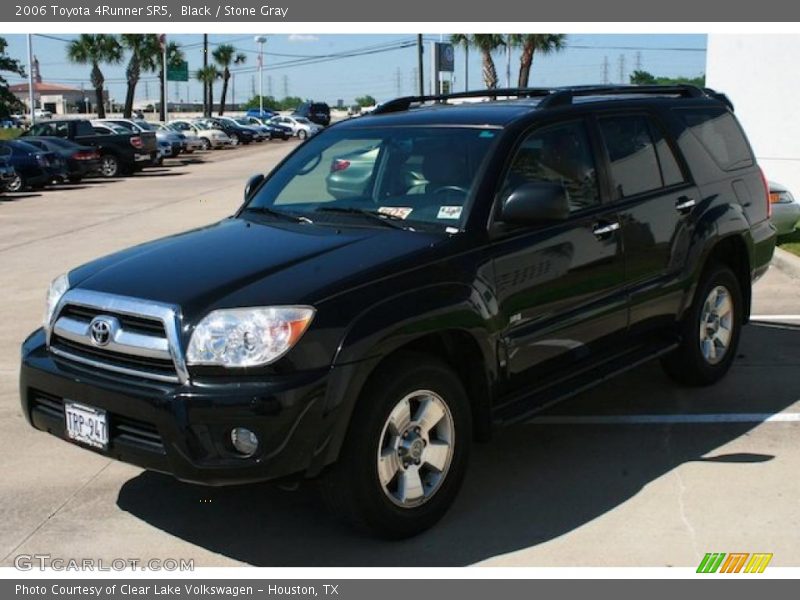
641	159
720	134
83	128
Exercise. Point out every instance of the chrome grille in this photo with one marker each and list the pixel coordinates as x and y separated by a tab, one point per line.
140	337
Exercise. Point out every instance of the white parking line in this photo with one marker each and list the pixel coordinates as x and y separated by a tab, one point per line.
775	317
790	417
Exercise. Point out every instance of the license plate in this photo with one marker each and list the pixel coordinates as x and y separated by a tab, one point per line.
86	425
141	157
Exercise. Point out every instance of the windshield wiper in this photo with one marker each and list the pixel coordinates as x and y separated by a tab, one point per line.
382	218
265	210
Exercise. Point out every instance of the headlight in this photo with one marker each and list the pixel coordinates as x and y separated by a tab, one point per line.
58	288
247	337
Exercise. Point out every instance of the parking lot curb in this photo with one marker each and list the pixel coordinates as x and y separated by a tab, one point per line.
787	262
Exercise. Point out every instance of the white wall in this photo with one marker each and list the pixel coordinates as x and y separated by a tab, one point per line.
760	75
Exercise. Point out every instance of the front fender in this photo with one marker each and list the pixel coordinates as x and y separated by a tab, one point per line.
387	326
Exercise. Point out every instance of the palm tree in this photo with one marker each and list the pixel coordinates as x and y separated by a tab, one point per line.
145	56
225	55
543	43
207	76
462	39
487	43
175	57
95	49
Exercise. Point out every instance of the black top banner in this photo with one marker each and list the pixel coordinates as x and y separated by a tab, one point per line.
451	11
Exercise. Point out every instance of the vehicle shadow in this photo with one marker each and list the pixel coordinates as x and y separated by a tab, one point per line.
531	484
159	173
12	196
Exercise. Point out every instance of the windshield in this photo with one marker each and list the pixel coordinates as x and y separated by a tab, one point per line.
303	120
146	126
420	175
243	121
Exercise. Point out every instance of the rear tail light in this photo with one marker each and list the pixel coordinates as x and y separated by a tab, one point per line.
339	164
86	155
137	142
767	195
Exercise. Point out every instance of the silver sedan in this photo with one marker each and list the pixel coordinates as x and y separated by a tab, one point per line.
785	209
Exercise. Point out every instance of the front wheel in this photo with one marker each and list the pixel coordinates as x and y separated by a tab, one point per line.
234	139
16	184
302	134
406	450
207	144
710	330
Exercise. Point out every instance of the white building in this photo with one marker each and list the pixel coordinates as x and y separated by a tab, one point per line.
759	75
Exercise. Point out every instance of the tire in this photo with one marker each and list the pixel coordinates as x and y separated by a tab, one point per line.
16	184
207	144
706	353
234	139
372	498
109	166
302	134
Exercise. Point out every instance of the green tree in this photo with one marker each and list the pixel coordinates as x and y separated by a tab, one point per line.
270	103
8	101
95	49
487	44
366	100
226	55
145	54
530	44
646	78
463	40
291	102
208	75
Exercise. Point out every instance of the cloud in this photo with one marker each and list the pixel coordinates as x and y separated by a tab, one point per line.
302	37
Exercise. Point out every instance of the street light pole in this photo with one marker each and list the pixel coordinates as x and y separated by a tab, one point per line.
31	92
260	40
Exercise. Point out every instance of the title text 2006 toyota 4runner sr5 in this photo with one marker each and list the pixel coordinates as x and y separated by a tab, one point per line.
405	281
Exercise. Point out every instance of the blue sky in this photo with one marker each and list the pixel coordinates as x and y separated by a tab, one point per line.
382	74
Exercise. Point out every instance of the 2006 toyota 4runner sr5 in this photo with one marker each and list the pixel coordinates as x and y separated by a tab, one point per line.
404	281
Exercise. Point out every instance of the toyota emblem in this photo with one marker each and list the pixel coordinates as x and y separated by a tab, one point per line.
100	331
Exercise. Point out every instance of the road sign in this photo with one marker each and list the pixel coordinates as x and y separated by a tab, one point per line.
178	71
446	57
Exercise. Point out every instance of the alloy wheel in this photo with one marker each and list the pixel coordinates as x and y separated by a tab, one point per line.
716	324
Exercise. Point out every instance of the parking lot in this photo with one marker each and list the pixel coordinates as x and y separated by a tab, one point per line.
637	472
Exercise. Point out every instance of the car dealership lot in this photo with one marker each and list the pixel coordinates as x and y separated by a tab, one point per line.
637	472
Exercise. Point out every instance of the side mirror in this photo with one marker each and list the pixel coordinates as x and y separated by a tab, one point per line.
535	203
252	185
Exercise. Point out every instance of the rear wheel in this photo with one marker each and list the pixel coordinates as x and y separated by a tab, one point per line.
406	451
206	144
234	139
710	330
109	166
302	134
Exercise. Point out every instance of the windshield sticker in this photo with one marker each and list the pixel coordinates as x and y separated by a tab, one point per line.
449	212
401	212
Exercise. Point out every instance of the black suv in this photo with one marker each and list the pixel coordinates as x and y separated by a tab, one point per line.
316	112
483	261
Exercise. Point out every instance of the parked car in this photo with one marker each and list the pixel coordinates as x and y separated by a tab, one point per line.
122	152
260	131
299	126
81	161
41	113
316	112
785	208
260	114
7	172
350	174
268	131
138	126
210	136
190	140
558	239
33	167
238	134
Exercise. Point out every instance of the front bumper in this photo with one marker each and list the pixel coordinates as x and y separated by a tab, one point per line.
183	430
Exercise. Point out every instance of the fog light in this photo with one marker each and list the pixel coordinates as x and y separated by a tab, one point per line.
244	441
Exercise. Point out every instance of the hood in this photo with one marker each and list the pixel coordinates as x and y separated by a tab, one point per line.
243	263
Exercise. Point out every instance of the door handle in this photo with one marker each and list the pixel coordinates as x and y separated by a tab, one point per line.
606	229
685	204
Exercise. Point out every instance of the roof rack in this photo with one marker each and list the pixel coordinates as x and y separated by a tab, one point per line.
555	97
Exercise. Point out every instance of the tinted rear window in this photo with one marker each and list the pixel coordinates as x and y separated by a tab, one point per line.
720	134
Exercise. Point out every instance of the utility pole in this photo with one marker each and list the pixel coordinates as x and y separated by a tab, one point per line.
638	60
466	66
164	90
285	86
605	70
260	40
31	91
399	81
420	75
508	65
206	110
622	68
